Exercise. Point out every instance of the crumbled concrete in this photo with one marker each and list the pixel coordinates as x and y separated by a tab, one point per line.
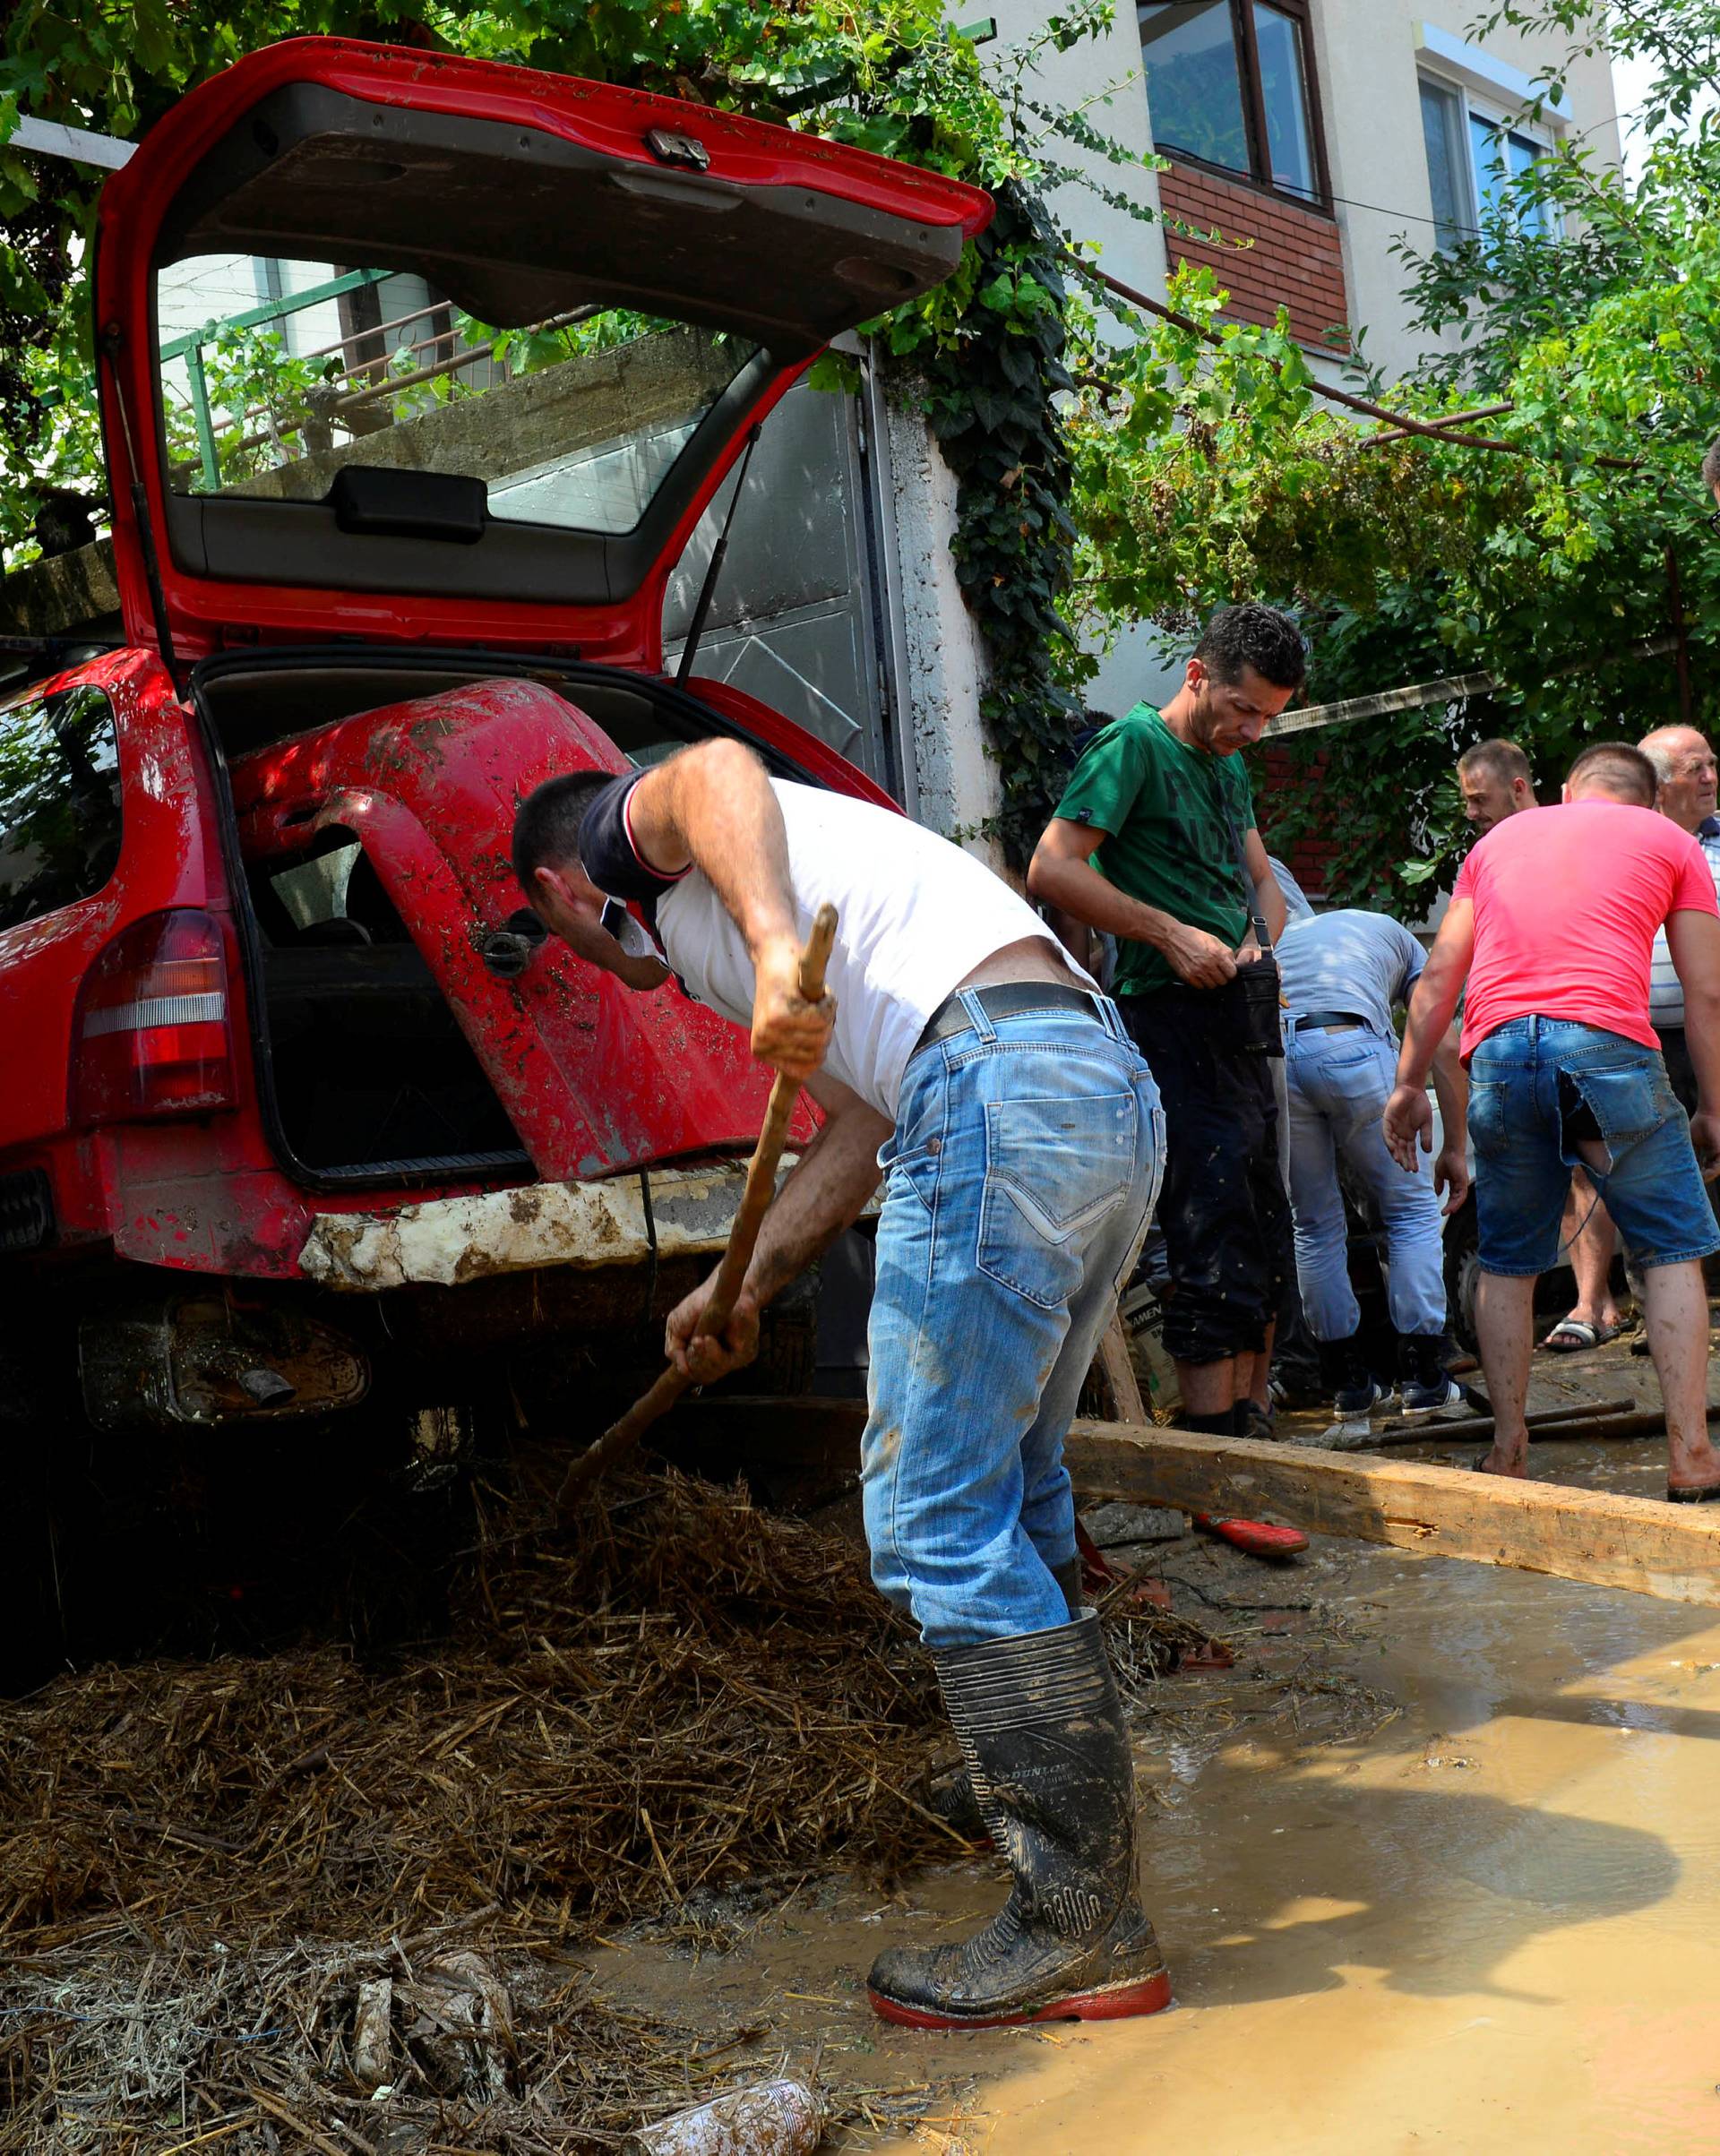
1113	1526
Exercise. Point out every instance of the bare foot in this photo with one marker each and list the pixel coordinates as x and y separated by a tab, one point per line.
1495	1462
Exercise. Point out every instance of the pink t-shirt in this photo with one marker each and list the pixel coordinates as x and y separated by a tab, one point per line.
1567	901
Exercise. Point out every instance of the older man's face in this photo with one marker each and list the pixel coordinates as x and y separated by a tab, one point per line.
1688	788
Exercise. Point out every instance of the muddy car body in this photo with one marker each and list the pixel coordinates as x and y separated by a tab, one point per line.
417	375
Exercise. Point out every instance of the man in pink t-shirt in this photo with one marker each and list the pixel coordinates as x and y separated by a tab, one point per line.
1551	922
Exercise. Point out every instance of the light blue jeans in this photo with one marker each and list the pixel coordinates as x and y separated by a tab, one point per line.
1017	1185
1340	1084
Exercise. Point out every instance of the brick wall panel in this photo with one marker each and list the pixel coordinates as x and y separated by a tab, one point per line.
1297	259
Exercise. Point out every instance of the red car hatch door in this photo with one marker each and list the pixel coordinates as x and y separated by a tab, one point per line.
594	1078
414	346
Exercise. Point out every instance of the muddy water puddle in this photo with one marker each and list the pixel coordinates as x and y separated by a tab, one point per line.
1488	1921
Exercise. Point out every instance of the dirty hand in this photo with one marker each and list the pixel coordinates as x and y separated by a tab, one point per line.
1705	1135
1451	1175
789	1033
700	1356
1203	961
1408	1122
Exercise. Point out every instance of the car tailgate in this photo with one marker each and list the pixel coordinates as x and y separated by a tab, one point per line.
594	1076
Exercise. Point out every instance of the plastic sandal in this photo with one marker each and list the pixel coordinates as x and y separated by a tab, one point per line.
1255	1536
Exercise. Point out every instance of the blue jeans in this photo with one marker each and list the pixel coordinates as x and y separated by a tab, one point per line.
1339	1085
1019	1181
1538	1087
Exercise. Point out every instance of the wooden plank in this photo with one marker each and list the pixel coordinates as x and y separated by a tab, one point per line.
1641	1544
1113	1360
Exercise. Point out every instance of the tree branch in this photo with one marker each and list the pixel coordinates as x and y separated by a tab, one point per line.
1436	430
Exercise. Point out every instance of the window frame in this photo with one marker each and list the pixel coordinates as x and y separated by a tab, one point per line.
1255	129
1493	112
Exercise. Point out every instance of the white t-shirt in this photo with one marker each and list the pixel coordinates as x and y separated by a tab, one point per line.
915	916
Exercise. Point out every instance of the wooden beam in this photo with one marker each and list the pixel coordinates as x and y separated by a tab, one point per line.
1642	1544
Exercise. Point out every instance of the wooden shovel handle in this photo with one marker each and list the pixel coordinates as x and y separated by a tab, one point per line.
743	1240
761	1169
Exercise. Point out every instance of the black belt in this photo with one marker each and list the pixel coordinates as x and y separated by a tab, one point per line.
1005	1000
1311	1019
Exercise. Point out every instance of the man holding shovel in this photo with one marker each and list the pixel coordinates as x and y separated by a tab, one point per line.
1018	1134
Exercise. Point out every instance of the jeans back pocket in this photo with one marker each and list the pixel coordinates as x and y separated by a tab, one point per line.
1054	1170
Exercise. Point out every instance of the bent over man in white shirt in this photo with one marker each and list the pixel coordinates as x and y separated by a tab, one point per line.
1019	1136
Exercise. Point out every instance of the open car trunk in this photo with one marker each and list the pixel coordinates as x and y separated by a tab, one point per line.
417	347
412	1023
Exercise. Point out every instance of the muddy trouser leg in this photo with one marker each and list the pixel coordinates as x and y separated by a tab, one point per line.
1222	1204
1674	1051
1047	1505
1021	1165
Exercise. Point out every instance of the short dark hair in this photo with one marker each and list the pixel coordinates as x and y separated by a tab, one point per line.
546	823
1256	636
1711	466
1502	757
1621	767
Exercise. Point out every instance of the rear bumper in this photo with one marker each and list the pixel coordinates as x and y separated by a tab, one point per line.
448	1241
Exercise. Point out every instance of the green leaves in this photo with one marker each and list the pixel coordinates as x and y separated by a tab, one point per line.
1207	475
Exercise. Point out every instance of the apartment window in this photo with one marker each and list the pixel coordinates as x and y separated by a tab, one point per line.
1472	155
1229	82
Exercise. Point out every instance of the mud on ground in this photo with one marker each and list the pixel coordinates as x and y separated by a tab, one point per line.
1431	1860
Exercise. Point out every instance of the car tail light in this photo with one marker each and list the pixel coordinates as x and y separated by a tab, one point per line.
154	1027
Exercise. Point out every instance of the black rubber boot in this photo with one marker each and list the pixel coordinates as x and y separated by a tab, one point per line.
1343	1370
1042	1731
954	1801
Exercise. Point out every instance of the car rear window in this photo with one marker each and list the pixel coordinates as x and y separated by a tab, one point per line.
276	374
59	802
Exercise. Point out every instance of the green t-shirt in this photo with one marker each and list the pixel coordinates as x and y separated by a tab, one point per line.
1169	845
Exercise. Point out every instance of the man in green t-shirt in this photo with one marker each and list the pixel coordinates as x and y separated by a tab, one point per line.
1150	843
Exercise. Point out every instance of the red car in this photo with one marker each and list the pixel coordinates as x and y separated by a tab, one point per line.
417	375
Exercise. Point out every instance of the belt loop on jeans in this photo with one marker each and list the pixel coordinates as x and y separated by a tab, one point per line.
977	1014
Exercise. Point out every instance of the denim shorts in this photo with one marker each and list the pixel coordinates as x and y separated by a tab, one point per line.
1537	1087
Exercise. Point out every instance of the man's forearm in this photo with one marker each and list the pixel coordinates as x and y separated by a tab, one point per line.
1077	887
1432	1009
826	1192
1702	1040
1451	1090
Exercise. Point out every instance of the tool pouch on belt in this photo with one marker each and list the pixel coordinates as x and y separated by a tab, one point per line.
1254	1019
1250	1003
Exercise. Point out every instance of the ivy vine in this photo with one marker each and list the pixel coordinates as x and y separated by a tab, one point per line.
992	409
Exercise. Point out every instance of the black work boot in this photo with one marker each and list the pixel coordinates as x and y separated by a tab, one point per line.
1353	1387
954	1801
1421	1364
1042	1731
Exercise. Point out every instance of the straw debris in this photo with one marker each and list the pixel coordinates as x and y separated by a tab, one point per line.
234	1894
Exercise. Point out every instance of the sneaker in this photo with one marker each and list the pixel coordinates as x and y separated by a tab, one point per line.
1424	1399
1358	1400
1427	1384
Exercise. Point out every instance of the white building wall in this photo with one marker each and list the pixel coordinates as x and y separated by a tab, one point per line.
1368	56
957	780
